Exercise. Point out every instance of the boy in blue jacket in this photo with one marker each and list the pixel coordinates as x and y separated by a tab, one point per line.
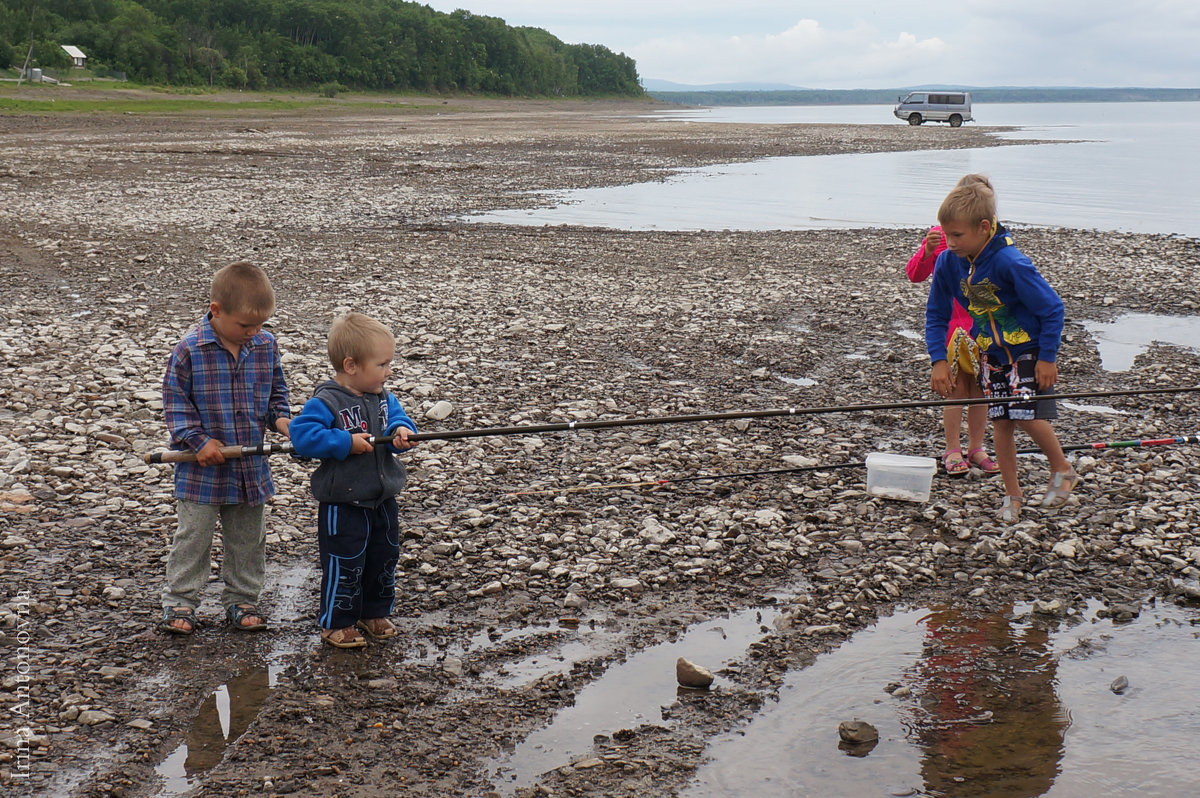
1017	322
358	523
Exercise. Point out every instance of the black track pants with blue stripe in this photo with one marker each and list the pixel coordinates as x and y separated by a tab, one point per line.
359	549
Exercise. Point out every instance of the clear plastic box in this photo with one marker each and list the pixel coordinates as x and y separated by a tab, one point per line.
899	476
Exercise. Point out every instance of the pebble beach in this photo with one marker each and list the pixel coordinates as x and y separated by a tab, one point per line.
110	229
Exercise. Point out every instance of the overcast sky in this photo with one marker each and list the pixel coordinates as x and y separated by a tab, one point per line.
846	44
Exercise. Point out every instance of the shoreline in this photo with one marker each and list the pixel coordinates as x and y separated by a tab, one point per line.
113	226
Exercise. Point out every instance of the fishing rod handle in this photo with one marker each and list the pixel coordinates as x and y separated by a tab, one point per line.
183	456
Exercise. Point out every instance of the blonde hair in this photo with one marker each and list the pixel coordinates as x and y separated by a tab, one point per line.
972	200
967	180
352	335
242	287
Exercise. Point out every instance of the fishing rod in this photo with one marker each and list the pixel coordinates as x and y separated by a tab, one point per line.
176	456
1138	442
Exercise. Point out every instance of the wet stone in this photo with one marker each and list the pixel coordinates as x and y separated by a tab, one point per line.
857	731
689	674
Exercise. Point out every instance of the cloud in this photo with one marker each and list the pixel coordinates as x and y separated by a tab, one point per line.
805	54
861	44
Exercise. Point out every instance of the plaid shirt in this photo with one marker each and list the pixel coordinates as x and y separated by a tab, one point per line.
207	395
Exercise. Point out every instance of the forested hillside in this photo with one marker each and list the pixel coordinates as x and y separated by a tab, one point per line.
364	44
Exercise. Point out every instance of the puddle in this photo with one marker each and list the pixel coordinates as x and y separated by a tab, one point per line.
803	382
558	661
571	645
628	695
430	648
1120	341
1103	409
223	718
230	709
996	704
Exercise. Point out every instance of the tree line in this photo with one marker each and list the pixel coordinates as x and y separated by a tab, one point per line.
387	45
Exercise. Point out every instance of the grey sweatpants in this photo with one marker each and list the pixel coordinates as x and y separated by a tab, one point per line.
243	567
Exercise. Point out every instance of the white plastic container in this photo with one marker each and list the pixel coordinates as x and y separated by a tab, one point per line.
898	476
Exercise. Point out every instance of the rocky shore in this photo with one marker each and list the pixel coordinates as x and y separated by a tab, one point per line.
112	226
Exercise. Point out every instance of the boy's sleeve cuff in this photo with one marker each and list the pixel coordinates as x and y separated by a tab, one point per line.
196	441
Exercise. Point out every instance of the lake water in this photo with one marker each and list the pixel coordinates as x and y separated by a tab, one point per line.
1121	166
1002	704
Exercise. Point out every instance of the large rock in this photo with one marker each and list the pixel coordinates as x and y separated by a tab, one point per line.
857	732
440	411
689	674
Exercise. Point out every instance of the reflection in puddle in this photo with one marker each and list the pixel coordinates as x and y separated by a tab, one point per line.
981	705
570	645
222	719
628	695
228	711
985	713
431	649
559	661
1120	341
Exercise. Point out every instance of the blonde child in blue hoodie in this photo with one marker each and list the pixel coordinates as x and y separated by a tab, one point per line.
358	524
1017	323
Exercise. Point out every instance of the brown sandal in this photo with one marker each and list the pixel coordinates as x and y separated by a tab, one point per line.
377	628
343	638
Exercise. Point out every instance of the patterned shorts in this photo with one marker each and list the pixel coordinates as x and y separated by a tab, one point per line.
1016	379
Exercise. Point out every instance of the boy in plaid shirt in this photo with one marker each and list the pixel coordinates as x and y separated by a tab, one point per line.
224	386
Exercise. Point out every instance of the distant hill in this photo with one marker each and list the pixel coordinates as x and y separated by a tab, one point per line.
1003	94
653	84
384	45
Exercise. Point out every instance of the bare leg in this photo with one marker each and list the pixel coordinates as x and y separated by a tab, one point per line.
952	424
1043	435
976	418
1006	455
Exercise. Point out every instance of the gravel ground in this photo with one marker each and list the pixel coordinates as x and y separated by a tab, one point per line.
112	226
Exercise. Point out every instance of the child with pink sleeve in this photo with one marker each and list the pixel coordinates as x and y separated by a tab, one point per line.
964	356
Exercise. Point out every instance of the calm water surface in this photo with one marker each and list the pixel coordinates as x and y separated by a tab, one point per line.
1120	166
998	705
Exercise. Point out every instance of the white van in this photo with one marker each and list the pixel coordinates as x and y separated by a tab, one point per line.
938	105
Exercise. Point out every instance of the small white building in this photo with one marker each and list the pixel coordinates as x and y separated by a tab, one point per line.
77	57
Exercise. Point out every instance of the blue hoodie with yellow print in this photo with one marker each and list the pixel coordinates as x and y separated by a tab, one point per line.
1014	309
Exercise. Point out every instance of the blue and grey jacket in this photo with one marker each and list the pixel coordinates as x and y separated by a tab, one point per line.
1014	309
324	429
